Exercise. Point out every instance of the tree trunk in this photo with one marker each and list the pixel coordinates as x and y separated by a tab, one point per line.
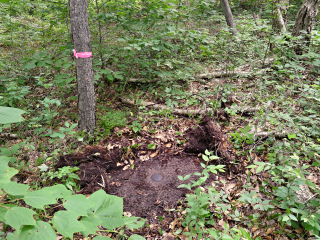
279	22
305	21
85	78
228	15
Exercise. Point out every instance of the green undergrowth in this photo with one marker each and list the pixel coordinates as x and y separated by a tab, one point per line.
32	220
169	43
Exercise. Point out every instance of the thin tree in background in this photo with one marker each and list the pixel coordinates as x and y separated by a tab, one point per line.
228	15
304	23
279	21
85	77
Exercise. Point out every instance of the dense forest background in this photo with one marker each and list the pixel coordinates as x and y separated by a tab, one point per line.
233	96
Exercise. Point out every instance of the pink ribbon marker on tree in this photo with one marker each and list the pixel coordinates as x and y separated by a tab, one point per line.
82	54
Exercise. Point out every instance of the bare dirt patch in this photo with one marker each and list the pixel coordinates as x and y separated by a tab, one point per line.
150	187
147	198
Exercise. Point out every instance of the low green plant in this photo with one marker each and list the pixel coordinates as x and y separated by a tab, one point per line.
66	175
289	177
242	137
136	126
112	119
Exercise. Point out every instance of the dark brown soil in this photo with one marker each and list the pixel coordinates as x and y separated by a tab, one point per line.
149	199
102	167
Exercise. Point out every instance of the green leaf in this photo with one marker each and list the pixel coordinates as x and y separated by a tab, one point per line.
134	222
29	65
91	223
108	209
136	237
293	217
102	238
58	191
66	223
11	236
285	218
15	148
15	189
18	216
3	209
40	231
78	204
6	172
39	198
205	157
291	136
10	115
259	169
226	237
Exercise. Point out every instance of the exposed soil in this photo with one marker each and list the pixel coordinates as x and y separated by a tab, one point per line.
149	199
122	170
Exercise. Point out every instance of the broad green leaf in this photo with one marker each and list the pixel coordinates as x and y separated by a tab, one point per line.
10	115
66	223
102	238
11	236
91	223
78	204
58	191
15	189
39	198
29	65
3	209
18	216
15	148
136	237
134	222
108	209
6	172
4	1
40	231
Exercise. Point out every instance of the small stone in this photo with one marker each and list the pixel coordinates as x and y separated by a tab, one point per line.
157	177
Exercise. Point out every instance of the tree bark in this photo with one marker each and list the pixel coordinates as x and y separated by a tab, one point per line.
85	77
228	15
279	22
305	21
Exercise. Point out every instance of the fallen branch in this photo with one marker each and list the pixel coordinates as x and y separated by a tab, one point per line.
163	107
8	135
222	74
277	134
188	112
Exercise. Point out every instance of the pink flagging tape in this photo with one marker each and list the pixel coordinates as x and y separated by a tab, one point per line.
82	54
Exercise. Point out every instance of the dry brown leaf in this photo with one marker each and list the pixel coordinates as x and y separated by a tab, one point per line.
162	137
168	145
270	230
173	224
145	128
154	154
144	158
228	187
254	228
221	223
